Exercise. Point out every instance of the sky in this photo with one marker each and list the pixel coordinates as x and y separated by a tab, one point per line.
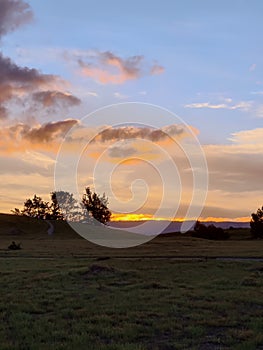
198	62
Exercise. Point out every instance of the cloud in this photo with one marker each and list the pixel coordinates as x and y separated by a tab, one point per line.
108	68
23	84
248	137
92	93
53	98
19	83
13	14
120	96
242	105
121	151
157	69
50	131
235	175
132	132
22	137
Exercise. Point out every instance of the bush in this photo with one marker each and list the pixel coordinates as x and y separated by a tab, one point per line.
14	246
209	232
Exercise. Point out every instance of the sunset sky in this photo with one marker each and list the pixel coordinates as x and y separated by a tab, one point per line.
201	60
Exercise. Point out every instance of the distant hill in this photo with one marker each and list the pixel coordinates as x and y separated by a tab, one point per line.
168	226
12	225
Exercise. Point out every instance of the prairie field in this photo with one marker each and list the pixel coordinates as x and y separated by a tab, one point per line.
174	292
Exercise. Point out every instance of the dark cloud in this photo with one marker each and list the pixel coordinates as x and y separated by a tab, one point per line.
13	14
20	137
24	83
55	98
22	77
50	131
16	81
130	132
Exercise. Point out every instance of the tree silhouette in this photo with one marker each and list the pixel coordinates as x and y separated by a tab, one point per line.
36	208
96	206
256	223
65	207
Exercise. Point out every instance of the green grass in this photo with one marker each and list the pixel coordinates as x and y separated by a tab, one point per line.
130	304
63	292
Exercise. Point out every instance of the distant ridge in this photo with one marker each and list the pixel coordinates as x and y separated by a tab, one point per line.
173	226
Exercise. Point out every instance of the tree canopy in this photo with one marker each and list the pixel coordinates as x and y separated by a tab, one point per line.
256	223
96	206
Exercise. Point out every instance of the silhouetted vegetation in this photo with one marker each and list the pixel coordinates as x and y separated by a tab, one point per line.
209	232
96	206
34	208
14	246
64	206
256	224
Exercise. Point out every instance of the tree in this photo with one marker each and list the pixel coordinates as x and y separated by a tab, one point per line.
96	206
35	208
65	207
256	223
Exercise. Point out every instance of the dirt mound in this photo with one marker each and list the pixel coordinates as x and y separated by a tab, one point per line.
95	270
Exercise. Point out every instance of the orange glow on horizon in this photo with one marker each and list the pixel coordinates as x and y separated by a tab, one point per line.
147	217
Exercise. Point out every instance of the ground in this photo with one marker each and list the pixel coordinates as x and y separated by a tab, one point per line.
62	292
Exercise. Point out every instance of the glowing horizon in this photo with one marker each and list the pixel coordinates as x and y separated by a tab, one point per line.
148	217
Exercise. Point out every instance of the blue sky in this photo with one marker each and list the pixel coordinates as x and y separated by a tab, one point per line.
202	60
210	51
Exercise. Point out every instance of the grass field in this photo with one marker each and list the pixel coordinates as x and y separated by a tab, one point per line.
62	292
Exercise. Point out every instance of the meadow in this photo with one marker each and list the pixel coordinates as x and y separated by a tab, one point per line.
174	292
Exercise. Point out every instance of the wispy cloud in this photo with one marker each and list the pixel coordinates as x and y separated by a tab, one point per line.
242	105
105	67
92	93
120	96
248	137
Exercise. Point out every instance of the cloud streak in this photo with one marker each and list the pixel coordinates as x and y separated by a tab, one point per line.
242	105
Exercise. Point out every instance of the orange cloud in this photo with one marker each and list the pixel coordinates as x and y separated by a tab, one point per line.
22	137
108	68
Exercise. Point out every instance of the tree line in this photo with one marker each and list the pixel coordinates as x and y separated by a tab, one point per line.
63	206
94	208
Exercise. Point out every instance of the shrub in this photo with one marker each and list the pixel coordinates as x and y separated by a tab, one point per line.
209	232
